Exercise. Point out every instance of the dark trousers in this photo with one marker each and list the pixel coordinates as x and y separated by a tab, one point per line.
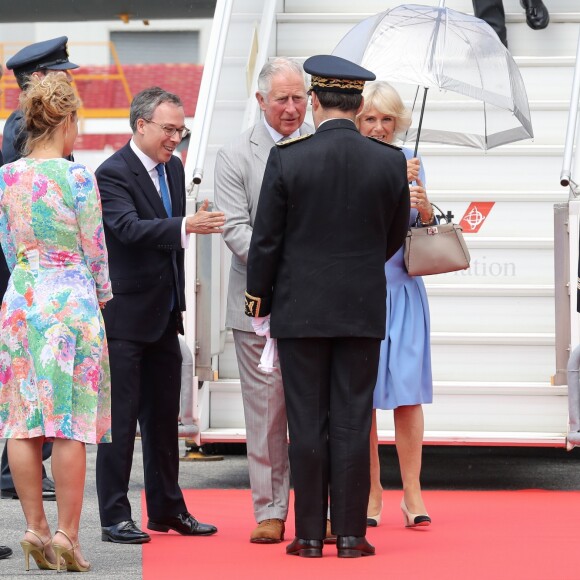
493	13
145	387
6	481
328	387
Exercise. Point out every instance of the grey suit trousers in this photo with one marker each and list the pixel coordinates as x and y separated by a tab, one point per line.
266	429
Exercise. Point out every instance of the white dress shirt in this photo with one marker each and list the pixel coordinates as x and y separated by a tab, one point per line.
151	167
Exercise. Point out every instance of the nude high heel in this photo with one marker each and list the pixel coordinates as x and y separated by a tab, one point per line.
374	521
68	555
37	552
414	520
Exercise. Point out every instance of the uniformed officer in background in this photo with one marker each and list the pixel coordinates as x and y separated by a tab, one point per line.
5	551
34	60
334	206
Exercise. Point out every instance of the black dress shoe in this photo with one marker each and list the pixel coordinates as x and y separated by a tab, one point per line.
537	16
5	552
353	547
8	493
305	548
48	493
184	524
125	532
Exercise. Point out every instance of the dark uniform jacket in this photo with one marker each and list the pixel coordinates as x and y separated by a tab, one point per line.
146	260
333	208
13	137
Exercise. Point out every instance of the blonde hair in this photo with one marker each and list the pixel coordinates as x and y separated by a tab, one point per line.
46	104
385	99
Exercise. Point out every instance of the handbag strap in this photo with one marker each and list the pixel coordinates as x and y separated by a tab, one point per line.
447	217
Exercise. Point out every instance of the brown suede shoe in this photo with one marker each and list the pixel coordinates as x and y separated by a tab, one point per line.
330	538
268	532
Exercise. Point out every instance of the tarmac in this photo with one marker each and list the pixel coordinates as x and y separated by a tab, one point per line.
112	561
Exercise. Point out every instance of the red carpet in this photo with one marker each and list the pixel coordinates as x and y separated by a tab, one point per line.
499	535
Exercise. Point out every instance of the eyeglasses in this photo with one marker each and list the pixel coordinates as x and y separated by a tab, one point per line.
170	131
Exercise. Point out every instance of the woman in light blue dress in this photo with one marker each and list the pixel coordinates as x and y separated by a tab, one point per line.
404	379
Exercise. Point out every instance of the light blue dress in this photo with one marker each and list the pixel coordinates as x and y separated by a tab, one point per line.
404	376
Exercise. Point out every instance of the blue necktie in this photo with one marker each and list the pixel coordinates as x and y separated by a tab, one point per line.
163	187
167	205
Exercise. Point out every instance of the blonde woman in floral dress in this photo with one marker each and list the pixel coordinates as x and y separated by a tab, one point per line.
54	370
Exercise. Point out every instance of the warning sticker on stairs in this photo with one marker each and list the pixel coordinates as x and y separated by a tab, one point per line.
475	215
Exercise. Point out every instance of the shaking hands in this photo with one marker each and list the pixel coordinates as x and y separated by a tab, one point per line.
205	222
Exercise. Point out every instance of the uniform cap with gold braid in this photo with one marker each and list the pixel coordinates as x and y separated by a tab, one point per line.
336	75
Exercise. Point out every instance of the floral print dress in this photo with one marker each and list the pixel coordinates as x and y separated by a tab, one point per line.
54	366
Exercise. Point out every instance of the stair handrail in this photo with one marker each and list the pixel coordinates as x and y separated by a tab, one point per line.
207	93
571	137
264	39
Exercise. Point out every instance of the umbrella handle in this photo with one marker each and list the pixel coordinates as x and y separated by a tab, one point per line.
425	89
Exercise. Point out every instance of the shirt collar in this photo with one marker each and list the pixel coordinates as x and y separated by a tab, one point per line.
277	136
336	119
148	163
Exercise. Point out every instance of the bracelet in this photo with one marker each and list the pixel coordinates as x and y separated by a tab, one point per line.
429	221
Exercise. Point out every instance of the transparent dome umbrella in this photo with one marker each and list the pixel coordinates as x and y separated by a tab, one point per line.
417	48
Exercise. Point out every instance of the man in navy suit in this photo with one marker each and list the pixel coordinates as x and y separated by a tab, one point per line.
143	195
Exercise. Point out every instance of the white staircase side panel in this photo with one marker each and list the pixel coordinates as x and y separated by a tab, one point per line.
226	124
240	34
233	81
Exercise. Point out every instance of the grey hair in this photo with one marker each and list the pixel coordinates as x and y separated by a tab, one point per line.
280	65
144	104
385	99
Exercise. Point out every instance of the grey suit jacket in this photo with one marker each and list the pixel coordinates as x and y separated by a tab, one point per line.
239	171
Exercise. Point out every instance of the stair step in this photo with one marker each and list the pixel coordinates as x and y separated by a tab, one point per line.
454	312
372	6
464	413
319	33
527	359
493	338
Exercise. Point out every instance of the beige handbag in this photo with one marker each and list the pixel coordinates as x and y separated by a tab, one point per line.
436	249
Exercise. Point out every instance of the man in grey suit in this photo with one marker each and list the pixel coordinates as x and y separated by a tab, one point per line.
239	171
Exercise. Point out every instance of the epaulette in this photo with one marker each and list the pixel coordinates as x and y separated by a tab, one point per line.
290	141
384	143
